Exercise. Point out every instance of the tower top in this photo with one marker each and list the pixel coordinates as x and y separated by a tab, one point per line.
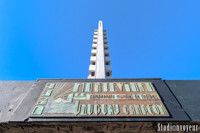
100	24
100	67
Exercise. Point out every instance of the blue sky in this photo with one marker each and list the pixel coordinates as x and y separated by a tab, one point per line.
53	39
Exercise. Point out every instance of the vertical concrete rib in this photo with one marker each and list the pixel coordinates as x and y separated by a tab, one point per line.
100	68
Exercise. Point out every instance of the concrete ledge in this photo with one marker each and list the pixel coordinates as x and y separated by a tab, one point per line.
12	93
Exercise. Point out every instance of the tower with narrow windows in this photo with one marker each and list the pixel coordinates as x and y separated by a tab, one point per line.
100	67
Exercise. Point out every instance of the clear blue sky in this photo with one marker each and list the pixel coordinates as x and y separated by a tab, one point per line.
53	39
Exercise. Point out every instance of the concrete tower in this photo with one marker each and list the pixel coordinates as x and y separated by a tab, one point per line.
100	67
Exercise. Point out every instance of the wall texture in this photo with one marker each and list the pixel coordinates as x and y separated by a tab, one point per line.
17	99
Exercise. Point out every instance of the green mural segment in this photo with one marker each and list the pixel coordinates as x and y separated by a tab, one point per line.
134	87
131	110
140	85
97	109
110	110
149	87
155	109
104	108
137	109
77	108
127	87
161	109
112	89
42	101
115	96
76	87
97	88
125	110
105	87
83	87
143	109
51	85
95	99
47	93
70	97
149	108
120	86
88	87
38	110
81	96
116	109
90	109
83	109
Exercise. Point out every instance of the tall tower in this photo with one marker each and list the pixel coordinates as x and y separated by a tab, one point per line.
100	67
